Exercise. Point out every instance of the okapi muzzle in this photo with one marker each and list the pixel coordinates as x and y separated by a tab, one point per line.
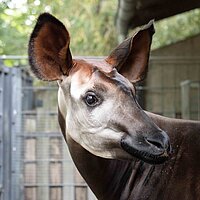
97	99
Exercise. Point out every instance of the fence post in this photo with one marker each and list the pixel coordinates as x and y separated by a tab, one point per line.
185	97
6	116
16	140
1	133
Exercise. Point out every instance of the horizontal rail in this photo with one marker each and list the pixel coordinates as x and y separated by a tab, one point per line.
41	134
56	185
174	58
193	84
40	88
12	57
29	112
17	57
157	88
137	87
46	160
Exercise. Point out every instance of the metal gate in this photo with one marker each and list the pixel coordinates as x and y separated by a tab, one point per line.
10	83
48	170
190	96
34	161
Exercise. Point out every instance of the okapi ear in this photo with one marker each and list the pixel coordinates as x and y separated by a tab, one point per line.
49	54
131	57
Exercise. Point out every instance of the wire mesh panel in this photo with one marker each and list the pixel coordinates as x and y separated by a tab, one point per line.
9	108
190	96
162	91
34	160
48	171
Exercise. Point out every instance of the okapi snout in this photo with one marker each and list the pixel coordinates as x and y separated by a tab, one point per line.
153	148
159	142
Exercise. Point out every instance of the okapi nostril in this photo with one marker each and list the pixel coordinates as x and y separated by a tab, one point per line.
155	143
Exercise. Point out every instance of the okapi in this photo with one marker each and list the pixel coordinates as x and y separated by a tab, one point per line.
122	151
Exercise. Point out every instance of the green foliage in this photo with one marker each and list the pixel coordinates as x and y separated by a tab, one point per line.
90	23
176	28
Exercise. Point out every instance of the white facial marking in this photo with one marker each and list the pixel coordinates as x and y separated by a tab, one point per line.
77	89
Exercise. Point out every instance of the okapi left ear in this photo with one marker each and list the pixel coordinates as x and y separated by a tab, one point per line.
131	57
49	54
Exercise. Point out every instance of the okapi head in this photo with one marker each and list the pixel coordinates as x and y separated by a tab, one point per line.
97	99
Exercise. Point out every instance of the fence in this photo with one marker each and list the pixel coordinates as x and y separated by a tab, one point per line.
162	91
190	105
48	170
10	122
34	161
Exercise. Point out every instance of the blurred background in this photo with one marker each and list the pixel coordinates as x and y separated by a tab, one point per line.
97	25
34	159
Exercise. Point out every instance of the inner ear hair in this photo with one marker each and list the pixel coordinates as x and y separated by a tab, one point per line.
131	57
49	54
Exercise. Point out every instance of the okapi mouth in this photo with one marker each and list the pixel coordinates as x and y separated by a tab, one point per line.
146	156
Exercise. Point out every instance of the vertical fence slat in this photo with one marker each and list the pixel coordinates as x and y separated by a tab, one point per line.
7	123
16	143
1	132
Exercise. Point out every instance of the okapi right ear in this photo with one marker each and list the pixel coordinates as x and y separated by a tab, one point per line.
49	54
131	57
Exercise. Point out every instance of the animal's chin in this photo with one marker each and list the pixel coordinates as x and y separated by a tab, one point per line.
143	155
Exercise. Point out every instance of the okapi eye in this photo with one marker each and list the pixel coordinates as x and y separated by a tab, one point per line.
91	99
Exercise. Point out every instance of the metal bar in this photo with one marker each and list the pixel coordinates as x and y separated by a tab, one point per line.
30	112
157	88
41	134
175	58
12	57
17	57
7	91
46	160
56	185
157	58
41	88
16	104
1	134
